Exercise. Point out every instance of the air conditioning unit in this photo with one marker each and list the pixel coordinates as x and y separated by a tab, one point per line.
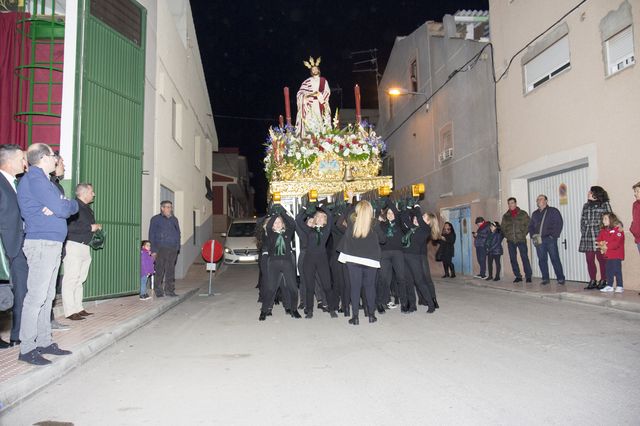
445	155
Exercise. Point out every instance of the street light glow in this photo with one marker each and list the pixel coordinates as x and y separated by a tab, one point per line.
394	91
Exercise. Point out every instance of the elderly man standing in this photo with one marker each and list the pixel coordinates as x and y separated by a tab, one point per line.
545	227
12	163
515	226
45	212
164	234
77	259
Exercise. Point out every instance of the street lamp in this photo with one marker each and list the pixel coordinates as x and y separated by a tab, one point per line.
397	91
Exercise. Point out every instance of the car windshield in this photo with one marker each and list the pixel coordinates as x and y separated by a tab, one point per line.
242	229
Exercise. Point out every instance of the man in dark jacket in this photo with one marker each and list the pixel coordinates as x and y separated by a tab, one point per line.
547	222
480	237
515	226
77	259
164	234
12	163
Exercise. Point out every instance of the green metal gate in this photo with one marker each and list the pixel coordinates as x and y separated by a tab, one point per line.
109	136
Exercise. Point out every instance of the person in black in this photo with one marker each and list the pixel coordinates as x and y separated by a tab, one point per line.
360	251
263	255
77	259
392	261
280	231
446	251
315	261
415	251
339	274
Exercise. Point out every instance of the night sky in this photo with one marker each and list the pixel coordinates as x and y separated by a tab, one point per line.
252	49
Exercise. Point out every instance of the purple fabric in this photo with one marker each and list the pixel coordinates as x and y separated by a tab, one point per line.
146	263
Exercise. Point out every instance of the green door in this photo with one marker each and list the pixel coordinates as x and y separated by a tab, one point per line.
109	136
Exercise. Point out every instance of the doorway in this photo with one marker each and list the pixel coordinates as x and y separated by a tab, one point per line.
460	218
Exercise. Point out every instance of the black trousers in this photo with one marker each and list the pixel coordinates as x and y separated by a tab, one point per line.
263	267
340	277
166	270
494	259
320	296
427	274
449	269
392	262
419	279
280	267
361	276
317	264
19	272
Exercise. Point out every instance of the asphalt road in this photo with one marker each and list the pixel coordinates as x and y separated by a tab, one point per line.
485	357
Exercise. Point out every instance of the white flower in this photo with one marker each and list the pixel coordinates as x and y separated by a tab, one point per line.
346	152
298	156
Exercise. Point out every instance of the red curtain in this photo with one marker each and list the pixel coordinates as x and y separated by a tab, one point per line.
11	131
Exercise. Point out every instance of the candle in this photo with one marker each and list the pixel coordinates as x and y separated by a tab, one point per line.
287	106
356	91
280	121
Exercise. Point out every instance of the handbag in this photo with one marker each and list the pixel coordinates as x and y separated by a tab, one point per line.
5	272
537	238
97	240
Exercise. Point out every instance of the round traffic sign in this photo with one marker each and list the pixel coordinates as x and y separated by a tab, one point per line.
211	251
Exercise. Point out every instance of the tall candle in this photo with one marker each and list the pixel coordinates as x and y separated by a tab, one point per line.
287	106
356	91
281	121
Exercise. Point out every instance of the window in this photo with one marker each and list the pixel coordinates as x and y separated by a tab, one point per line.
413	72
197	152
619	50
548	64
176	122
446	142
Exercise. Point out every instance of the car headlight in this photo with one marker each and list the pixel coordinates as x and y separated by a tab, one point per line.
228	250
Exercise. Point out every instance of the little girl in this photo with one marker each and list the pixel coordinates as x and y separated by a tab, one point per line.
611	243
147	268
494	249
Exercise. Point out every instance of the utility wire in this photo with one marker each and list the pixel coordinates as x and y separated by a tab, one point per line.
237	117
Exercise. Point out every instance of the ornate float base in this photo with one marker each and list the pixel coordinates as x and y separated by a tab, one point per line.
327	187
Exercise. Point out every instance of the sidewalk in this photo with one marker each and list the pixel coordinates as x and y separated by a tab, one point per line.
113	320
572	291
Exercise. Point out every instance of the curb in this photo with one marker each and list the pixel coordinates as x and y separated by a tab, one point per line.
23	386
620	305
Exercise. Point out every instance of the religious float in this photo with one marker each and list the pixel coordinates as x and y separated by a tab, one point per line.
319	158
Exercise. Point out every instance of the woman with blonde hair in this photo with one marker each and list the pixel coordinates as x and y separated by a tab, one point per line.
360	252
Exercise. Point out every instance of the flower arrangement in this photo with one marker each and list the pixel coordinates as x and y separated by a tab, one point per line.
352	143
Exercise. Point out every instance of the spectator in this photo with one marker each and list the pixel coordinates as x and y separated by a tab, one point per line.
12	163
77	259
545	227
446	251
611	243
164	234
480	239
635	224
494	250
44	211
515	225
147	268
597	204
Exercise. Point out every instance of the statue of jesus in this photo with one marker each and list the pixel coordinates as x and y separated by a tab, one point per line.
314	112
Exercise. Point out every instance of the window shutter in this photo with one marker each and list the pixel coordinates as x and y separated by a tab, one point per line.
548	61
620	46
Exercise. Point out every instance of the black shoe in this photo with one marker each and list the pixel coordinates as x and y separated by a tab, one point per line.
445	276
488	278
593	284
528	279
3	344
422	302
354	321
496	279
287	311
412	308
308	315
372	318
13	343
263	316
276	302
53	349
323	307
340	310
396	301
269	313
544	282
33	357
452	275
431	310
333	314
381	309
518	280
159	294
295	314
602	284
172	294
301	305
435	303
561	282
347	312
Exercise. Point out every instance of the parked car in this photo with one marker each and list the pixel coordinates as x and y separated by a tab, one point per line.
240	242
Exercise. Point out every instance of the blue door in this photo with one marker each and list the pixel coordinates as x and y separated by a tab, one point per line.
460	218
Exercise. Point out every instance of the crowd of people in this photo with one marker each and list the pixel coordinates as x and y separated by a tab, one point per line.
40	230
602	241
368	255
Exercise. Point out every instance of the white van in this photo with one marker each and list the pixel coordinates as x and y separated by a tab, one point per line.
240	242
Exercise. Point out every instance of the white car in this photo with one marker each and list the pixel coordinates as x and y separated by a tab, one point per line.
240	242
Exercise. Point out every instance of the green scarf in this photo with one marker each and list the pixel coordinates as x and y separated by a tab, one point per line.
280	246
390	231
318	234
406	238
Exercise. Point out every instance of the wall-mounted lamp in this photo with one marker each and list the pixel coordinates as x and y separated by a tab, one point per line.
397	91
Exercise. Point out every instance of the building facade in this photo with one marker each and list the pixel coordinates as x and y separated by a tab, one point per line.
444	138
568	111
